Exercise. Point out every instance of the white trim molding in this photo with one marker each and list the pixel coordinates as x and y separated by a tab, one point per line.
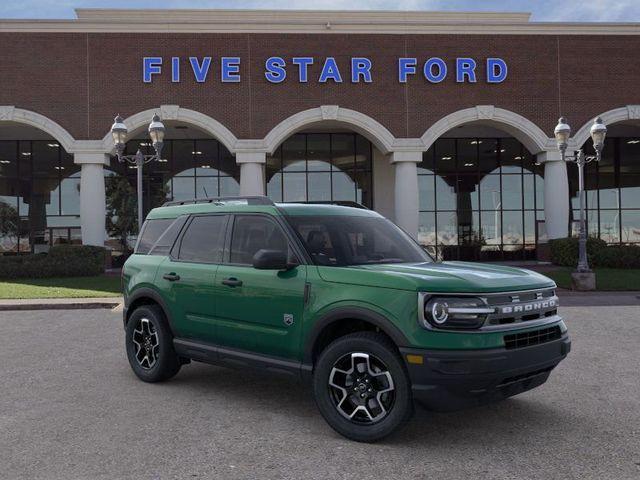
10	113
527	132
363	124
629	112
179	114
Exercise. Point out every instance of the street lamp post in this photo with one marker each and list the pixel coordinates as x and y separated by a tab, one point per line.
156	132
562	133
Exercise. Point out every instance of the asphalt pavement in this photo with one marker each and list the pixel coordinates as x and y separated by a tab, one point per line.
70	408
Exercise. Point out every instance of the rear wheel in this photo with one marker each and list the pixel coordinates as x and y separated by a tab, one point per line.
149	345
362	388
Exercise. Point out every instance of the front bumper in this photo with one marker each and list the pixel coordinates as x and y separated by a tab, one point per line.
453	379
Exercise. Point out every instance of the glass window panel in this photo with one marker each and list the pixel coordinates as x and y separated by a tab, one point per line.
511	155
320	186
631	226
45	193
629	155
9	220
426	189
274	187
512	229
183	158
467	192
491	224
183	188
445	194
529	227
63	221
610	226
8	159
274	164
294	187
447	228
427	228
8	191
24	160
363	188
206	157
529	163
70	196
364	153
445	156
467	154
206	187
318	152
344	187
488	155
45	159
343	151
253	233
490	192
229	187
528	191
468	227
228	165
67	167
293	153
630	196
539	192
512	192
426	166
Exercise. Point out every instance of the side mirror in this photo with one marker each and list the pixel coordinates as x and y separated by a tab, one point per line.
271	260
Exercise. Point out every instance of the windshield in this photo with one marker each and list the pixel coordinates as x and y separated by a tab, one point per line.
340	241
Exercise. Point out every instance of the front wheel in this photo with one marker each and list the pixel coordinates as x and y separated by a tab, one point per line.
362	388
149	345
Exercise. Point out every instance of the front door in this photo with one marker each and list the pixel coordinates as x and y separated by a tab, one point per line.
187	277
259	310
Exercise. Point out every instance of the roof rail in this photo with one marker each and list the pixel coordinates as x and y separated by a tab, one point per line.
342	203
251	200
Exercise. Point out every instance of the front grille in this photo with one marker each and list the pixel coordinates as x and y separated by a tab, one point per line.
535	337
522	307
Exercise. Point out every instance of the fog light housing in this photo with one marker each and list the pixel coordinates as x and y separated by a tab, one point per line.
455	312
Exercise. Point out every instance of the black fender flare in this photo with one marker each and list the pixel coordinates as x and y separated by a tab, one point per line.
146	292
356	313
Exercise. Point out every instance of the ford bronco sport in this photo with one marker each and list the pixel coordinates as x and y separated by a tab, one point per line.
340	297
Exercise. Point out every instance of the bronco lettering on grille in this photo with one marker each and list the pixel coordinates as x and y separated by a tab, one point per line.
528	307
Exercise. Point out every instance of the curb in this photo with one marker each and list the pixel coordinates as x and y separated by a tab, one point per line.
78	305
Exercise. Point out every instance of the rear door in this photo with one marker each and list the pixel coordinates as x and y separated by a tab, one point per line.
187	276
259	310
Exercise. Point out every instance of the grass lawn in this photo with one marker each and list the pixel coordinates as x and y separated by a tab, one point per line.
72	287
606	278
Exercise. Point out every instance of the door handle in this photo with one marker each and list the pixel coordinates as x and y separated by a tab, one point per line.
232	282
172	277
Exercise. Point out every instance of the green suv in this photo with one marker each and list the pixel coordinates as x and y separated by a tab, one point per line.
337	296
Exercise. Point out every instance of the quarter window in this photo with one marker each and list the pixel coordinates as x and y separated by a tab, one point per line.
204	239
151	233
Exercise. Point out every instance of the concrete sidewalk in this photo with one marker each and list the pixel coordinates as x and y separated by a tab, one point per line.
59	303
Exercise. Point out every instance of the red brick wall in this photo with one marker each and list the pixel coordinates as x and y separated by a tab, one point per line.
82	80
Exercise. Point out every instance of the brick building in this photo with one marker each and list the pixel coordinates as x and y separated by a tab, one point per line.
441	121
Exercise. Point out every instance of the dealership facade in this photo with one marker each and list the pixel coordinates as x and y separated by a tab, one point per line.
442	122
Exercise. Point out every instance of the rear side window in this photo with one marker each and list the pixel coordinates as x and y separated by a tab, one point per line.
151	232
168	238
204	239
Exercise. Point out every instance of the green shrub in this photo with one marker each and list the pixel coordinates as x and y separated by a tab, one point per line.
618	256
61	261
564	252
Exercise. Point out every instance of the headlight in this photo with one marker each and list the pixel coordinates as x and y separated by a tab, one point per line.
455	312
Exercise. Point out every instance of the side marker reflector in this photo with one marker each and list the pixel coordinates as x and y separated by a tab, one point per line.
415	359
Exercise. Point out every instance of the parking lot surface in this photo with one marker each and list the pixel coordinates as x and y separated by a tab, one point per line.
70	408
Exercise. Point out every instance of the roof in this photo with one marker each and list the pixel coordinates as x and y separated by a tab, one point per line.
310	21
293	209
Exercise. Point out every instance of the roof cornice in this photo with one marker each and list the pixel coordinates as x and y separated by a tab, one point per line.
313	22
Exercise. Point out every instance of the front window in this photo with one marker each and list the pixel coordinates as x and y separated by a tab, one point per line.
341	241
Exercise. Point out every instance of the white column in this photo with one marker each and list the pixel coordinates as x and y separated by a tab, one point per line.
251	172
92	197
406	190
556	194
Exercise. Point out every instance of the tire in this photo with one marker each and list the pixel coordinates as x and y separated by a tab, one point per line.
377	399
149	345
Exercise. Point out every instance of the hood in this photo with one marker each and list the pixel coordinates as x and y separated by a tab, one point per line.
452	277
